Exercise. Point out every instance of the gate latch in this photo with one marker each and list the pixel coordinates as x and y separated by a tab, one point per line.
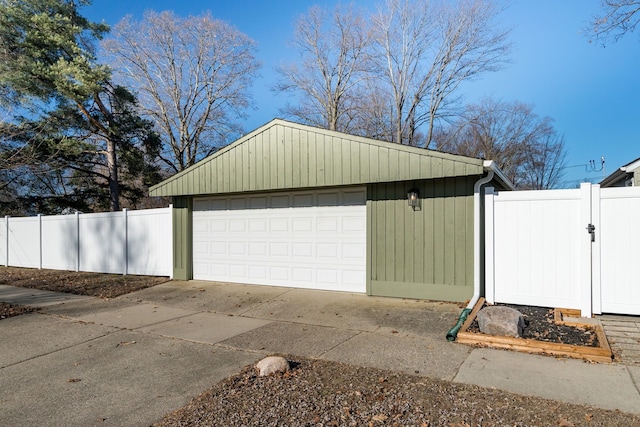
591	229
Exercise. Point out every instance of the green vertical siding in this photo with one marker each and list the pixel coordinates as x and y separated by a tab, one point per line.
182	238
426	253
284	156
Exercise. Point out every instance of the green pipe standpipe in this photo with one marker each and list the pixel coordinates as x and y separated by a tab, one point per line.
451	335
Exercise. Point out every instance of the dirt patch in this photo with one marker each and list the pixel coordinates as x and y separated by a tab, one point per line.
79	283
324	393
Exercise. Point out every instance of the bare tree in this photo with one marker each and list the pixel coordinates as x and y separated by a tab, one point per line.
544	163
333	49
192	76
425	50
618	17
526	147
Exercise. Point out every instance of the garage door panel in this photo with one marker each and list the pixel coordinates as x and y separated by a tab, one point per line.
238	271
237	225
302	250
353	224
353	250
279	274
304	239
257	203
328	224
238	249
219	204
235	204
279	225
302	200
279	249
354	198
327	250
279	202
328	199
218	248
302	224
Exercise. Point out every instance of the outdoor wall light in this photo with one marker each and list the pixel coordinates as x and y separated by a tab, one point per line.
413	197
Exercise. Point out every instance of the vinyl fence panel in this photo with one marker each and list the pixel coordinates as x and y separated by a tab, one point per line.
102	244
149	242
60	242
126	242
24	238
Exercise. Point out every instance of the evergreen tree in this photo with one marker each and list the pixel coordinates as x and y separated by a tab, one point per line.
77	135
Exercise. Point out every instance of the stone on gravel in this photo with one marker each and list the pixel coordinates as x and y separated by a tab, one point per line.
500	320
272	364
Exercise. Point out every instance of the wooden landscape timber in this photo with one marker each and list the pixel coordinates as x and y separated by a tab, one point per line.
595	354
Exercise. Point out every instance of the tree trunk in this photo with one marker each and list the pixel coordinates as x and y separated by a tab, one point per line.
112	164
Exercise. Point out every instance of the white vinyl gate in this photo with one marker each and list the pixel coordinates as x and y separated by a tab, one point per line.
564	248
619	276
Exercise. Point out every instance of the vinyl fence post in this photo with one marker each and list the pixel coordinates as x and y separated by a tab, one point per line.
585	250
489	248
6	240
596	256
40	241
77	241
171	241
126	242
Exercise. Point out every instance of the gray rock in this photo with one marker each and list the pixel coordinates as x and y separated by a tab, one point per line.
500	320
272	364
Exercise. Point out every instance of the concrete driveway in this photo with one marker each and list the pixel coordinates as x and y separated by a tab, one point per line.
85	361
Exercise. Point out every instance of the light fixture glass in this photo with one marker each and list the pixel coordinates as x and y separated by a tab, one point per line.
413	198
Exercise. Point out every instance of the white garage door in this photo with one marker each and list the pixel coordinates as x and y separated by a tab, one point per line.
299	239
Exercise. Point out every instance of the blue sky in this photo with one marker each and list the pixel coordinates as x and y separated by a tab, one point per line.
592	92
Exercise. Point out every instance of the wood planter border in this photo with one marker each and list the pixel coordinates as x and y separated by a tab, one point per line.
595	354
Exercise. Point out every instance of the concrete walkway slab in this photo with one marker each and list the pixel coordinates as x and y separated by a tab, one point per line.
404	353
359	312
215	297
136	316
607	386
126	378
31	335
35	297
207	328
291	338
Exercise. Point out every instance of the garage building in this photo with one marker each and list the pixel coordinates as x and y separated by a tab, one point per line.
298	206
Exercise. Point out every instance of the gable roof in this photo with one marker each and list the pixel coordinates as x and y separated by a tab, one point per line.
282	155
621	174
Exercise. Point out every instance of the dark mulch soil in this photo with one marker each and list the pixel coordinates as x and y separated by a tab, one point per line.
540	326
79	283
325	393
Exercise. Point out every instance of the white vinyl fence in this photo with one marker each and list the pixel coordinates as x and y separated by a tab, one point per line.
127	242
564	248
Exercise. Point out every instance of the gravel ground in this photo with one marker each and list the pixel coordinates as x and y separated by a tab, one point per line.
324	393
